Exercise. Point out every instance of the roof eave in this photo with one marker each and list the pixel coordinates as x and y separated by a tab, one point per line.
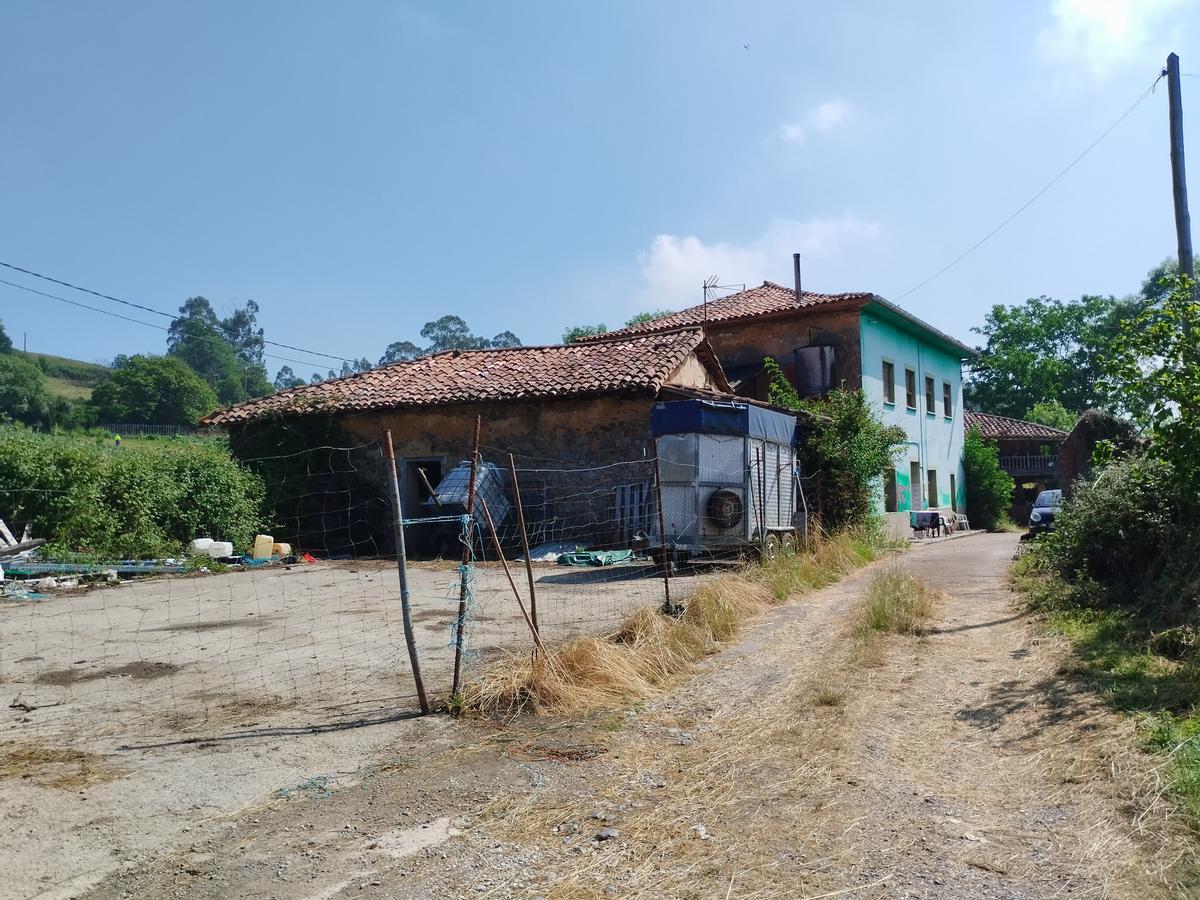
949	344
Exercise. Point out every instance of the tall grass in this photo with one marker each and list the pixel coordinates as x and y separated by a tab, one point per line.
897	602
651	649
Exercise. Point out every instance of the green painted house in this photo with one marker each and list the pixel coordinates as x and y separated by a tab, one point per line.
909	371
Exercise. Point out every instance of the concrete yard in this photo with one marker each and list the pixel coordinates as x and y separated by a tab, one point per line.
137	710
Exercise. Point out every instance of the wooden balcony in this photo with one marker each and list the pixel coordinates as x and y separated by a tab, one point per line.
1028	465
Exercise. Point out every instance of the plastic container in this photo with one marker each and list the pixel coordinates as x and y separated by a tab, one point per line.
219	549
262	547
201	545
281	549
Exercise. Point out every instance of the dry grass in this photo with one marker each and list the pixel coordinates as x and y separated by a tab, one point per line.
650	649
54	767
896	602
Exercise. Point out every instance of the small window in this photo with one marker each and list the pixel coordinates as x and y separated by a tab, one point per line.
889	382
889	490
931	500
910	388
947	403
929	407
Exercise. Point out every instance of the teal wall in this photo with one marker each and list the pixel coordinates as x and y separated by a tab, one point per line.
934	441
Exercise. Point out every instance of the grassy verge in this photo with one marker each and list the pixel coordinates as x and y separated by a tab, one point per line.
1142	669
650	650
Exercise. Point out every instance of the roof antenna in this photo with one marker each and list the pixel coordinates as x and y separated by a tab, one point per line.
709	284
796	273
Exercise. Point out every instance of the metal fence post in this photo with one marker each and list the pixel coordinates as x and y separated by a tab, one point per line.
662	538
512	465
402	567
468	528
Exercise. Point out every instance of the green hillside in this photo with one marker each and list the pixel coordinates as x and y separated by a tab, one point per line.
70	378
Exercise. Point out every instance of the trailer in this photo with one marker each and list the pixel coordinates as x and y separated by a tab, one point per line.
729	480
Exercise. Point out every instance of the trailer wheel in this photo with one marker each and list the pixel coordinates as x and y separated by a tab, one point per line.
770	546
789	542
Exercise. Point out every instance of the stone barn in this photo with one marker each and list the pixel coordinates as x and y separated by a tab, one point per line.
575	417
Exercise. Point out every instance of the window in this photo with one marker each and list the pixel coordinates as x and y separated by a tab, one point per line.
953	492
910	388
889	490
889	382
914	485
932	500
929	407
947	403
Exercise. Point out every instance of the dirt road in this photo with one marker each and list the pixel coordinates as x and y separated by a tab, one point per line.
965	763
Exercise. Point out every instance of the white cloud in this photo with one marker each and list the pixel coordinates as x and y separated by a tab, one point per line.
822	120
1097	37
674	268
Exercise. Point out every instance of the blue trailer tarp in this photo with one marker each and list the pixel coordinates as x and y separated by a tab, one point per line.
722	417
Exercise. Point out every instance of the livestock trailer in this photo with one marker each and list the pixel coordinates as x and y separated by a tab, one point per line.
729	480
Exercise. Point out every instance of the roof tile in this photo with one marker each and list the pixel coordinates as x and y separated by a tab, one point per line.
766	299
637	363
1000	427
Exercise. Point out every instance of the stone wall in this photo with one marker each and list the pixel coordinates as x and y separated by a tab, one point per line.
746	343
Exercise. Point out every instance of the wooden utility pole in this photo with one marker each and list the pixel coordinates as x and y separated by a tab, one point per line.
1183	221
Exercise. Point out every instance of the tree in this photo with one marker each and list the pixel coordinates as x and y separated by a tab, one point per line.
225	353
154	390
577	332
1052	414
399	351
847	447
450	333
505	339
6	344
989	488
23	395
648	317
285	378
1046	349
1156	375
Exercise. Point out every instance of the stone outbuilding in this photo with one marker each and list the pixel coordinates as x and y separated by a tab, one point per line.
576	418
1028	452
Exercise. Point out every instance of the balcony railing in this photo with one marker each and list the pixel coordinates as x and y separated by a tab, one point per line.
1027	465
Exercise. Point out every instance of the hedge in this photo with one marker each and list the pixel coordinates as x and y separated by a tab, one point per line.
131	502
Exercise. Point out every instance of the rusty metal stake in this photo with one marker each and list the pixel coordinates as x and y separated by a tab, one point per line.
512	465
662	539
468	529
402	568
487	515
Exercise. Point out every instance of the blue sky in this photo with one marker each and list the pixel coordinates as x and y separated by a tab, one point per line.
359	169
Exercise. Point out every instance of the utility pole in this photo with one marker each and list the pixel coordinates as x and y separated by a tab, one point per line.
1183	221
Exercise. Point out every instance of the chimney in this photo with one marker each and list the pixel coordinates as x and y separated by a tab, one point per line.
796	272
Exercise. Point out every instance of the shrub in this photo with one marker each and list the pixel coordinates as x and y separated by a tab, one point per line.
132	502
989	488
846	446
153	390
1130	536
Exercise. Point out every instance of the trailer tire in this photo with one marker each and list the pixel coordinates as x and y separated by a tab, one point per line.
724	508
770	546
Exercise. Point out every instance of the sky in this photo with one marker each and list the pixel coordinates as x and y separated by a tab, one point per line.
360	169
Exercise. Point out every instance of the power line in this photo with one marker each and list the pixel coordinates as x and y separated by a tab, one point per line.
1028	203
106	312
150	309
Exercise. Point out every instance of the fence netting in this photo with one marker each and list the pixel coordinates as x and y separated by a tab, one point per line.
315	636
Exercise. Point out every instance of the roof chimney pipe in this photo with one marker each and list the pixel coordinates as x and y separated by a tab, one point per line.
796	273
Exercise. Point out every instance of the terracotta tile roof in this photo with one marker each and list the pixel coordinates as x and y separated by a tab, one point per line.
998	427
638	364
766	299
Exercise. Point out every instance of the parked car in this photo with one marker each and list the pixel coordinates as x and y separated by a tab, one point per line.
1041	517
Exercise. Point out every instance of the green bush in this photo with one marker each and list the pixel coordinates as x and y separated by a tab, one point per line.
845	446
989	488
125	503
1130	536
